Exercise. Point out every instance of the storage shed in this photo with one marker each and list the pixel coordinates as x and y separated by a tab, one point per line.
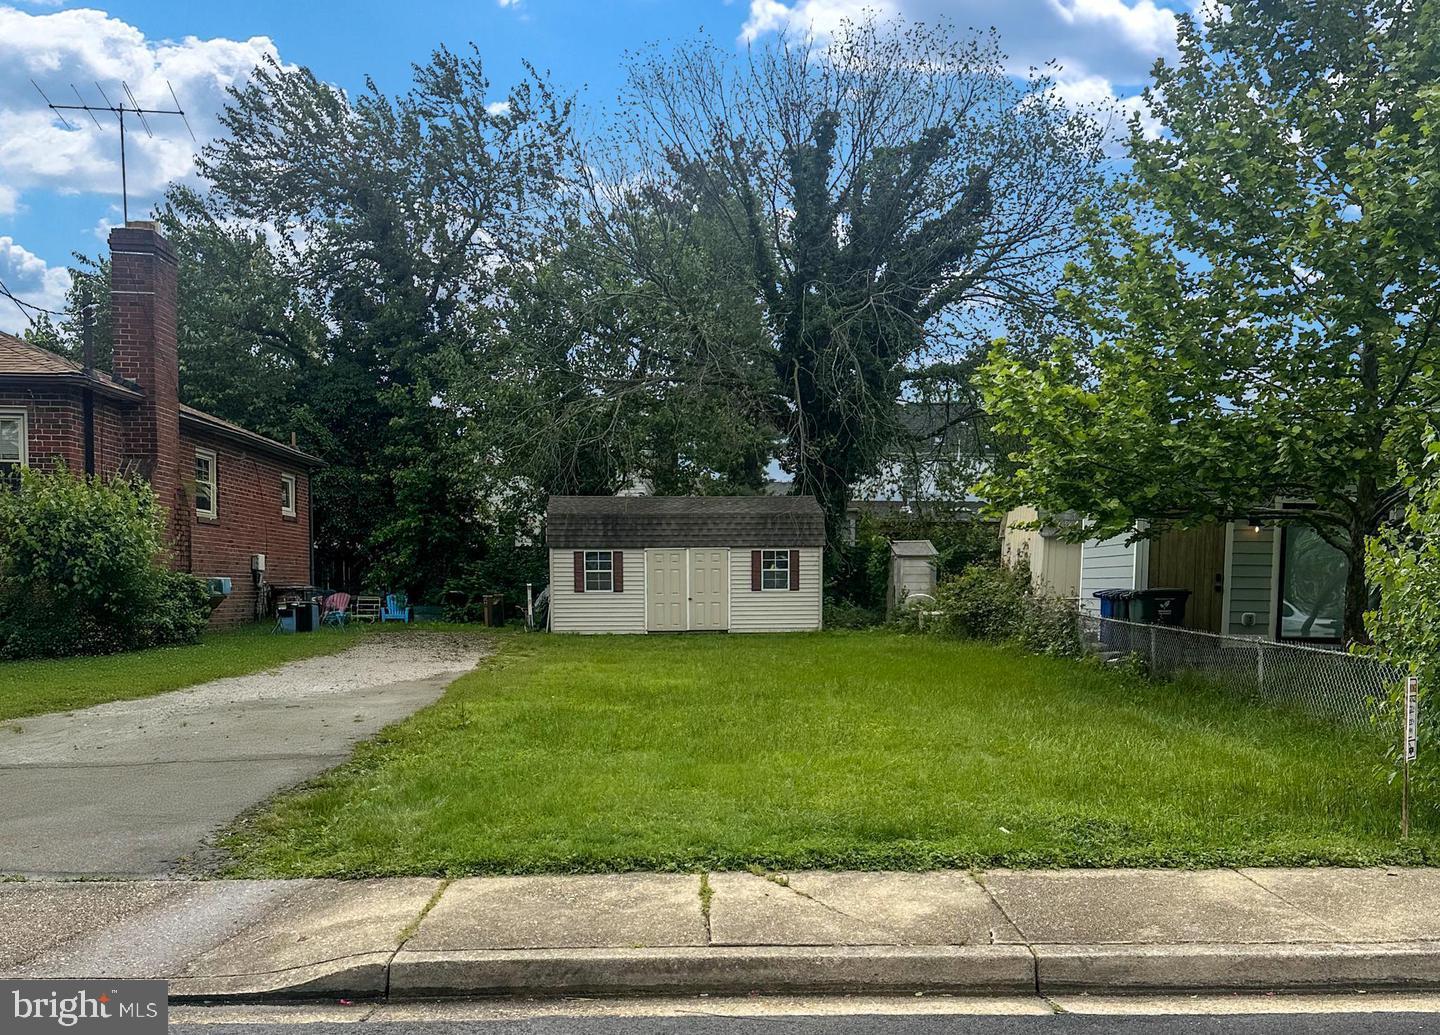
636	564
912	571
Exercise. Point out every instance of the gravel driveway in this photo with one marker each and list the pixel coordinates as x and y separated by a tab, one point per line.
136	787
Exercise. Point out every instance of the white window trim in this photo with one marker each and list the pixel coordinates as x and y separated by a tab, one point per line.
24	419
288	479
610	555
213	483
779	553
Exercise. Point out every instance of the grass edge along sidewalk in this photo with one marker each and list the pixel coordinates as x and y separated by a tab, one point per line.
863	750
66	684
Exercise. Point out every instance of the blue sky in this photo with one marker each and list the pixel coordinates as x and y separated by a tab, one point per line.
59	188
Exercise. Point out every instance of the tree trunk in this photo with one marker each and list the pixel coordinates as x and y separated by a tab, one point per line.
1357	596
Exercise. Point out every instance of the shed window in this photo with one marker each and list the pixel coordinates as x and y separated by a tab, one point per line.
287	495
599	571
12	442
774	569
206	484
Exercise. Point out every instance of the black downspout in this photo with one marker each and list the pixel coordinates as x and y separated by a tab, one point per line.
89	402
89	397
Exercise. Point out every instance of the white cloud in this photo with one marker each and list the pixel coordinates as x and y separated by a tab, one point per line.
498	108
1104	48
33	279
84	47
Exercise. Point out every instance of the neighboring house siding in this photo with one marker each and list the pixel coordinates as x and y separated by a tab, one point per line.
1106	564
247	521
775	610
1250	577
622	612
1054	563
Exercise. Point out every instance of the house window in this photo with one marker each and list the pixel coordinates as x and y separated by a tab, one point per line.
774	569
1313	575
287	495
206	484
13	454
599	571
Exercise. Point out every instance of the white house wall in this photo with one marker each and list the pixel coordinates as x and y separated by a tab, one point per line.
775	610
1109	564
622	612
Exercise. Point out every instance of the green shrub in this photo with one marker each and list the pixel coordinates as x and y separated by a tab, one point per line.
79	571
995	603
1050	625
859	572
983	602
841	614
1403	564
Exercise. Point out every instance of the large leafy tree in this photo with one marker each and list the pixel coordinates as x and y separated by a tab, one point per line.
349	253
809	231
1255	320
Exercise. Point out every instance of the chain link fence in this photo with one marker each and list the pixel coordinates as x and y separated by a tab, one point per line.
1349	689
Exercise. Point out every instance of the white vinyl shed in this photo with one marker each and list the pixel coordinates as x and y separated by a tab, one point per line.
639	564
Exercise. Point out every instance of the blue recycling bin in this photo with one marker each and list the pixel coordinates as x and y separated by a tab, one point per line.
1114	607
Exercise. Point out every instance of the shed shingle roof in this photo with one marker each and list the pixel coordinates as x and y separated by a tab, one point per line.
641	522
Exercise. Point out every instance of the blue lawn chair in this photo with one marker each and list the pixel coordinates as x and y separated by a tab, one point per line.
394	610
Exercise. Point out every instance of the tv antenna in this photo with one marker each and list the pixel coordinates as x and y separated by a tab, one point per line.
119	111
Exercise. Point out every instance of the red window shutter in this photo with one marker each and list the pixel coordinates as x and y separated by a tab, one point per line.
579	571
754	571
794	570
617	566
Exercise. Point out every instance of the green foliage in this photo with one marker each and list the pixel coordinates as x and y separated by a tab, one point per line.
983	602
997	603
79	572
858	573
1402	563
842	614
1255	316
815	230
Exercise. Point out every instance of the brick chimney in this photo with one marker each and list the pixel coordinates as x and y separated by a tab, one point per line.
144	289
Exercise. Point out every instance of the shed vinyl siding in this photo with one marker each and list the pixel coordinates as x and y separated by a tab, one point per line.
1250	577
622	611
775	610
1106	564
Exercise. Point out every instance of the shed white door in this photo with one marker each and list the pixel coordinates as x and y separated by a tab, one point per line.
665	590
709	589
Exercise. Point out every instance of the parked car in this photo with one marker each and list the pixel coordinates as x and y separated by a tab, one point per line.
1292	625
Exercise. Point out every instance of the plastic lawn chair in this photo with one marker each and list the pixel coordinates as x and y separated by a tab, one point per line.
394	611
367	609
337	606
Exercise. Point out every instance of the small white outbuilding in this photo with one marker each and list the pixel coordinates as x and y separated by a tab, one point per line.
638	564
912	571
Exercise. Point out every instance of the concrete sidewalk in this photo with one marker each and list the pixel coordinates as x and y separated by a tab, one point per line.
997	932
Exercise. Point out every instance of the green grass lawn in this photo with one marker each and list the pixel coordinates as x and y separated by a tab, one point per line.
861	750
64	684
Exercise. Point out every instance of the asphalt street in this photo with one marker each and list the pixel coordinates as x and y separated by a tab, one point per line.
876	1024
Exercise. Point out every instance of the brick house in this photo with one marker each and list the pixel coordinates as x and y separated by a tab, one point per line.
232	494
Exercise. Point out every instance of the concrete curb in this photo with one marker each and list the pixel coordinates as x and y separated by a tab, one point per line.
984	969
997	968
1249	967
